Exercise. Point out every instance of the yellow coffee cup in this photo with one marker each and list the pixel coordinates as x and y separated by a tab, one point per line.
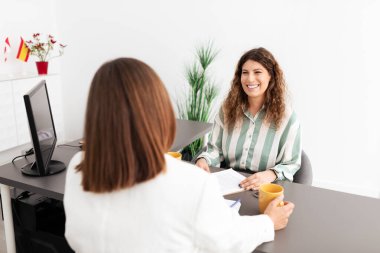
268	192
176	155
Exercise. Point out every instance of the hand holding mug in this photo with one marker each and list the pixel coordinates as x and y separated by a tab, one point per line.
278	213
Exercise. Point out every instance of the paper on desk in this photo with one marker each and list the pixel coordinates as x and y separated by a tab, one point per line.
231	202
229	181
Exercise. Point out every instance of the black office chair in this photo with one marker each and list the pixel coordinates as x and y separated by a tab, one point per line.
303	176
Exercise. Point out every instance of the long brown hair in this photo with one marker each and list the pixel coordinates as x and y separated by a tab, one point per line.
274	102
129	126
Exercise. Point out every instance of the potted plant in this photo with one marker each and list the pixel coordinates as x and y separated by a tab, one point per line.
43	50
200	95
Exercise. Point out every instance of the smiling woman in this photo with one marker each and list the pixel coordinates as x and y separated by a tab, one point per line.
254	80
257	67
255	130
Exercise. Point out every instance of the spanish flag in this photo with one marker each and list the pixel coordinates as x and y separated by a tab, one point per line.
23	51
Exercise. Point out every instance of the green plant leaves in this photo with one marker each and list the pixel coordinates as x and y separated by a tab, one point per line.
206	55
201	93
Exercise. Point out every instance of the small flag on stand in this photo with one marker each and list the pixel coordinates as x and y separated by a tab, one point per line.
23	51
7	48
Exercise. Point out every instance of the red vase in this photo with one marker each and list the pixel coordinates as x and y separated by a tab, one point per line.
42	67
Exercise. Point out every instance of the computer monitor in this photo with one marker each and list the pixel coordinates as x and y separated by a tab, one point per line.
42	132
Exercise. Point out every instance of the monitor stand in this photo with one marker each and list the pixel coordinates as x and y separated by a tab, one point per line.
54	167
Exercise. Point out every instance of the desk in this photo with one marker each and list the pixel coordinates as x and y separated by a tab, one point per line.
322	221
188	131
53	186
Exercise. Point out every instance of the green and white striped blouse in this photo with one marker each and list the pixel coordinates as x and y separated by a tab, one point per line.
257	146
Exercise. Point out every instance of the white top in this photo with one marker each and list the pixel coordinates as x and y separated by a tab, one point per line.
181	210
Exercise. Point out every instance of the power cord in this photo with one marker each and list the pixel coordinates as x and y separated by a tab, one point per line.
27	153
24	195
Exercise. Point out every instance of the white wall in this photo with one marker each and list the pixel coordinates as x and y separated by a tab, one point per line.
328	50
23	18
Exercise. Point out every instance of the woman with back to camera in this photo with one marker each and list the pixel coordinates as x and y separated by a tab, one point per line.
124	194
255	130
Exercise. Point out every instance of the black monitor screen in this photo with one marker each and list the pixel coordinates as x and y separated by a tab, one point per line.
42	130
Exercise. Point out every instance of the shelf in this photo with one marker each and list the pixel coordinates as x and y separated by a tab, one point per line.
4	78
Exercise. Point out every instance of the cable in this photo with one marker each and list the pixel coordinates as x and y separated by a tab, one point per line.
27	153
18	157
24	195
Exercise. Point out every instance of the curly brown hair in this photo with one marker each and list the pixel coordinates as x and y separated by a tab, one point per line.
274	103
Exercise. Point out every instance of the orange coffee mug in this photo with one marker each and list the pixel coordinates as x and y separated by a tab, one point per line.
176	155
267	193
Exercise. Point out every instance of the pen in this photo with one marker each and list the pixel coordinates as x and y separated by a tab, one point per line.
234	204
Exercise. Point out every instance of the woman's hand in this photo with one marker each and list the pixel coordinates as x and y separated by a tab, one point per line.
257	179
279	214
202	163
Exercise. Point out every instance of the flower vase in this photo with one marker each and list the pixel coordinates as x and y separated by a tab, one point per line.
42	67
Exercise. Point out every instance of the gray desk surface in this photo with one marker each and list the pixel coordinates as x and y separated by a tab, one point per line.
322	221
189	131
53	186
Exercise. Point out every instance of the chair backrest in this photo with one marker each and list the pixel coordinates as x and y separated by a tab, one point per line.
305	174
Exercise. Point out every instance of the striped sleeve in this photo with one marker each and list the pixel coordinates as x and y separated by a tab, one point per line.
214	153
288	159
